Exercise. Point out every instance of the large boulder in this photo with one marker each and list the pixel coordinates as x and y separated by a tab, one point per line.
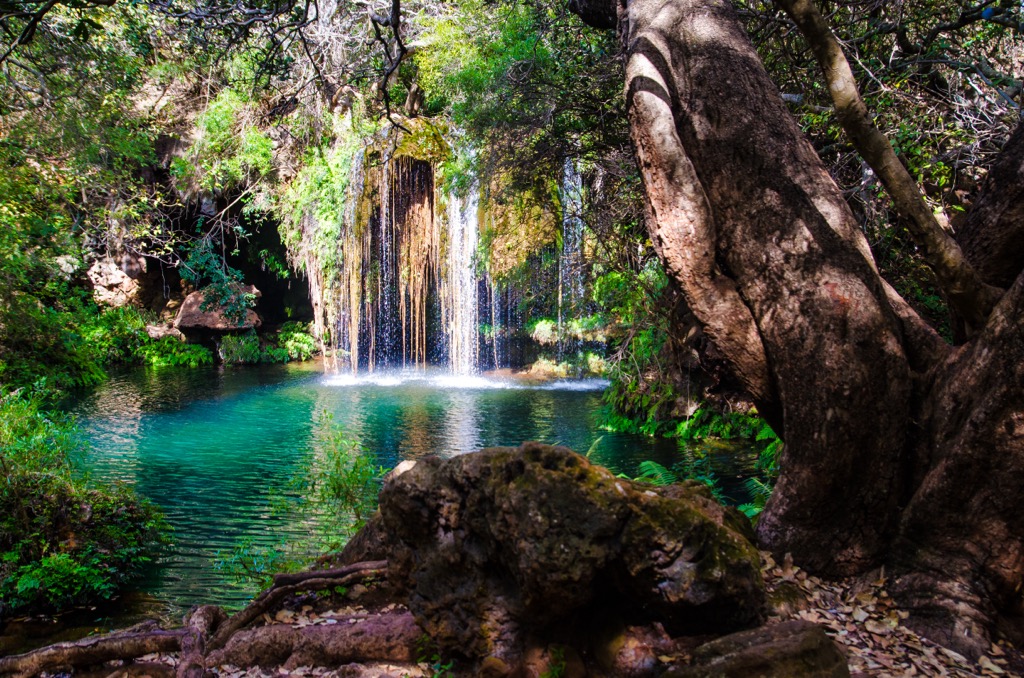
196	314
506	542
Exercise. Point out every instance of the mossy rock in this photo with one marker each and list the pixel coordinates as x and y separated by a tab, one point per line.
424	141
505	540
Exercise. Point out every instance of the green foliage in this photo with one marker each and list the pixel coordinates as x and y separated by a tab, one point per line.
116	334
291	342
334	493
250	562
342	481
543	330
705	423
62	541
760	487
695	460
656	474
694	464
296	340
428	655
516	83
639	397
229	151
241	349
169	352
557	667
220	284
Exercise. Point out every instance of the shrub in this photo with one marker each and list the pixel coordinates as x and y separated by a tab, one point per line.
116	334
543	331
295	338
169	352
240	349
62	541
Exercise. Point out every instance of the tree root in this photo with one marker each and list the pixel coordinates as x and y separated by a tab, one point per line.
126	645
199	624
390	637
132	670
336	573
208	629
315	581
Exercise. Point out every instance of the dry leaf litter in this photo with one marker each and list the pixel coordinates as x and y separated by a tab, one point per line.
859	615
865	621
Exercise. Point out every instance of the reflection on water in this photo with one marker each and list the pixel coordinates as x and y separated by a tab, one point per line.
209	446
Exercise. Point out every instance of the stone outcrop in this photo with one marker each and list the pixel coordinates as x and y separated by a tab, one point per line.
494	546
157	332
193	317
112	284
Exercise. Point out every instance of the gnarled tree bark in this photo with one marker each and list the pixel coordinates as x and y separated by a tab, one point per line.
899	449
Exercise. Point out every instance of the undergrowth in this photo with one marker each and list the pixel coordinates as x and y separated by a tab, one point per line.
695	461
63	540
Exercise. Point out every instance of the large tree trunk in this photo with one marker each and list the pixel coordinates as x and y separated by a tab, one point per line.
880	418
992	236
770	259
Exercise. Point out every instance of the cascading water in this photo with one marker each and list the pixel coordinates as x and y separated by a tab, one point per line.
392	295
570	265
461	284
396	283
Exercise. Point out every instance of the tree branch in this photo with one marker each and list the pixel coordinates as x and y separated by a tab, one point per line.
969	296
316	581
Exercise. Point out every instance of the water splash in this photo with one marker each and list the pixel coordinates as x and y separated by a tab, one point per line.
448	381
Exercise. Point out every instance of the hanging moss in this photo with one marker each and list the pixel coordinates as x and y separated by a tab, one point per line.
424	141
516	224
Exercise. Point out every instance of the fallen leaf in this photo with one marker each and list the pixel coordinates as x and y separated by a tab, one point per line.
876	627
986	664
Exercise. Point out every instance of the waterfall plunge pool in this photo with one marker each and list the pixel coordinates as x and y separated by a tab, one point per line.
211	446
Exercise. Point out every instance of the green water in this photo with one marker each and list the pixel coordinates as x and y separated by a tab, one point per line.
210	446
213	446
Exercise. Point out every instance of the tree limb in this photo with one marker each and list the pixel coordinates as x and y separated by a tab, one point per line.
274	595
95	650
969	296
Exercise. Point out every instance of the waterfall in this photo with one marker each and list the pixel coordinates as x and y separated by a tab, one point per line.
392	263
570	265
461	284
399	288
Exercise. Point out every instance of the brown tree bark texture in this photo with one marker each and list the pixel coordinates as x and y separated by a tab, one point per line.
960	548
391	637
992	236
770	259
899	449
127	645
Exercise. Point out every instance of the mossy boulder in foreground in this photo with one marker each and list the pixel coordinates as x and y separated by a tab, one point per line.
506	543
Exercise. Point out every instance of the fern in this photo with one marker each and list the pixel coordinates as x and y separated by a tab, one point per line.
759	492
654	473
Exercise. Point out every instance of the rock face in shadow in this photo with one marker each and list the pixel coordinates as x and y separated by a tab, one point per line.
506	542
